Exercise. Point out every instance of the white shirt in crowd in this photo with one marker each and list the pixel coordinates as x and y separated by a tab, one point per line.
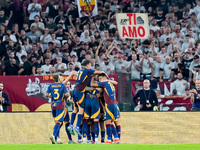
135	74
107	68
34	12
121	67
167	69
156	67
46	68
146	69
62	66
180	86
18	54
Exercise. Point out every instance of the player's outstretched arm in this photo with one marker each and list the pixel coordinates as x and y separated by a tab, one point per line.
67	79
90	88
113	82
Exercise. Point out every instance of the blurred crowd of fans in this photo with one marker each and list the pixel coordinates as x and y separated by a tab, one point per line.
42	37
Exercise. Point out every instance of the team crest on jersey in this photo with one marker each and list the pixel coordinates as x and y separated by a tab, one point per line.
37	89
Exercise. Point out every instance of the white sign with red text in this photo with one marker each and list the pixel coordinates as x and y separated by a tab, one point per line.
133	25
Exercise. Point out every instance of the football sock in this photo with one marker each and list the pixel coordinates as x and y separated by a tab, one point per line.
80	130
109	132
118	128
56	129
93	136
102	136
58	133
114	132
85	128
80	117
96	130
88	134
73	116
67	131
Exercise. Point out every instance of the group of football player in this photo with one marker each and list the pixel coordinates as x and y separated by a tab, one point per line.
94	101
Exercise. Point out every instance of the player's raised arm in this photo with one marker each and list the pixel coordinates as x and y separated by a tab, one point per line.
67	79
113	82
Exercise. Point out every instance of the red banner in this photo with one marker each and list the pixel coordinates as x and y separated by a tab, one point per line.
30	90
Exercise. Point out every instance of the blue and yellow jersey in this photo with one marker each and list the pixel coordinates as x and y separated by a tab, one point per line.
57	90
109	92
82	79
94	94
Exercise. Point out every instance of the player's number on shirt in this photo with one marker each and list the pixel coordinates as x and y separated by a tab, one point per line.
57	94
111	86
79	75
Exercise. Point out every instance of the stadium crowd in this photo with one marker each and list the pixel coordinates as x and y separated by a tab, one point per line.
42	37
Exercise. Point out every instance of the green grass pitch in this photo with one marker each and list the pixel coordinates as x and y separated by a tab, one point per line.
100	147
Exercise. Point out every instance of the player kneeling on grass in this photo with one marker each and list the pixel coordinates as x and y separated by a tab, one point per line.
56	92
112	110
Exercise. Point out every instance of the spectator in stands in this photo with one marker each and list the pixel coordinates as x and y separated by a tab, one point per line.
26	69
146	64
195	99
156	68
52	70
45	38
194	65
121	65
107	66
34	9
39	26
70	69
39	72
46	67
4	99
12	68
60	67
166	70
32	34
3	18
180	84
37	64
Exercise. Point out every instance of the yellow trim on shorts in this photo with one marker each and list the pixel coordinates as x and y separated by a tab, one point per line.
110	113
96	114
86	115
81	100
102	105
60	116
65	112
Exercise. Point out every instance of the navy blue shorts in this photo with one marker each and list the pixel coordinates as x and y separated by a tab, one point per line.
78	98
112	112
92	109
58	115
66	116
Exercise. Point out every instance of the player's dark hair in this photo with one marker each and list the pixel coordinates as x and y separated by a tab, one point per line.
1	82
56	77
102	75
85	63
